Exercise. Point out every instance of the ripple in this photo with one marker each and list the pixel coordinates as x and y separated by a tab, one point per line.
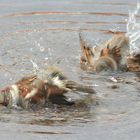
107	3
47	132
70	22
5	36
67	13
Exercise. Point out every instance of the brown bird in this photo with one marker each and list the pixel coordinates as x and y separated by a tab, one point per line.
28	89
110	55
57	84
49	84
9	96
133	62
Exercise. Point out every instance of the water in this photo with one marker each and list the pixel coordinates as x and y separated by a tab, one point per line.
133	30
34	34
35	67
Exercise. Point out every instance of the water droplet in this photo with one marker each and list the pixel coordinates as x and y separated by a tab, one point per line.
11	79
42	49
35	66
46	58
38	44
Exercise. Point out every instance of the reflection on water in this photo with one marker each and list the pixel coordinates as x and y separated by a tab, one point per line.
51	115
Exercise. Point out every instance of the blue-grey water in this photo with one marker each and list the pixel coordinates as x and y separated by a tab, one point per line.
43	32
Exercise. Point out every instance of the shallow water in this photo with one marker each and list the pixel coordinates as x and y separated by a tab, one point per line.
45	33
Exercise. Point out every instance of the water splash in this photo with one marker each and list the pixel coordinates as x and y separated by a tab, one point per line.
35	67
49	56
42	49
133	30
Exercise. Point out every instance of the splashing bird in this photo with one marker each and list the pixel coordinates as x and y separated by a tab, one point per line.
110	55
48	85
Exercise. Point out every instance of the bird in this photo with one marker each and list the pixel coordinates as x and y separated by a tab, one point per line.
133	62
110	55
47	85
57	84
24	91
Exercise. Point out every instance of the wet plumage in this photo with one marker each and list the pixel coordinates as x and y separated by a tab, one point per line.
48	85
111	55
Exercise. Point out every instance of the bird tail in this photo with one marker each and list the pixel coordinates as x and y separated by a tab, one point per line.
74	86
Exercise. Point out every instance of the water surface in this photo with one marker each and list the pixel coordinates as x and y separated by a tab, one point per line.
46	31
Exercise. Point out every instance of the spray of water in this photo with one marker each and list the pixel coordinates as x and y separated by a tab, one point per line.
35	67
133	30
